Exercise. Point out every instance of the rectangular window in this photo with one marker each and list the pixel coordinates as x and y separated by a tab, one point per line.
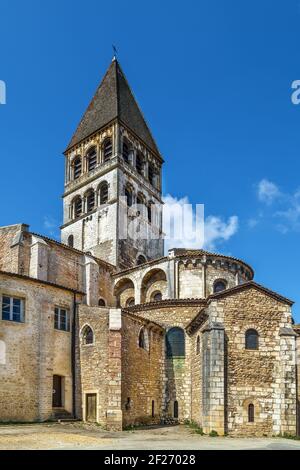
61	319
12	309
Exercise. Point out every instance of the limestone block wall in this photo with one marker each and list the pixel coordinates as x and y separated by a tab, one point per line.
265	377
142	381
34	352
9	247
191	281
92	361
196	378
177	371
219	272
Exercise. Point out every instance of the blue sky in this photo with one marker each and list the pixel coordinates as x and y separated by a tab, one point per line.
214	81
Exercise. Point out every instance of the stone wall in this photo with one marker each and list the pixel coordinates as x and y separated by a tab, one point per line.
92	360
177	371
9	247
264	377
142	381
34	352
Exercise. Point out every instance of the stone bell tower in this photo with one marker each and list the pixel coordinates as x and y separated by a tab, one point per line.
112	197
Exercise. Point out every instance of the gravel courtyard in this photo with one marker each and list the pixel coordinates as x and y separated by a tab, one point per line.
79	436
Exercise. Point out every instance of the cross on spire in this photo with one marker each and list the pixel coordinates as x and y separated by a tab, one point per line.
115	52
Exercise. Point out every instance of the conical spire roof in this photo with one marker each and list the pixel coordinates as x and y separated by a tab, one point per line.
113	99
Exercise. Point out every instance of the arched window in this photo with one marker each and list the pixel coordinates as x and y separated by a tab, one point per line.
87	335
198	345
126	151
175	343
176	409
149	211
92	158
156	296
251	413
140	204
102	303
90	200
141	260
129	197
139	164
151	174
77	207
77	168
251	339
104	193
71	241
130	302
219	286
142	343
153	409
107	150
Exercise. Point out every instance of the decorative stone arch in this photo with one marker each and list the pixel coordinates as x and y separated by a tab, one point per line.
84	331
245	410
107	149
76	167
127	149
103	192
91	159
156	296
2	353
90	200
141	203
77	207
124	289
141	259
129	194
153	280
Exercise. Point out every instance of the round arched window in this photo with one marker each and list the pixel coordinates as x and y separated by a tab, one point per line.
87	335
130	302
251	339
219	286
71	241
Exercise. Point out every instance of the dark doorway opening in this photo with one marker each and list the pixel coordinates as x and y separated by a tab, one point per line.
176	411
57	391
91	407
153	408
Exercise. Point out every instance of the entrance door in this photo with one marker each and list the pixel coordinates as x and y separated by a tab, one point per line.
176	414
91	406
57	395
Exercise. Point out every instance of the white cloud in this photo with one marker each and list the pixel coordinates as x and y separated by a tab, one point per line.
267	191
217	230
287	211
187	227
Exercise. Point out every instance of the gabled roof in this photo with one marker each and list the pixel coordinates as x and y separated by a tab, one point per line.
251	285
113	99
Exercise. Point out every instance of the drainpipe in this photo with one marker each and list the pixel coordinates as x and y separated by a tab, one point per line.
73	357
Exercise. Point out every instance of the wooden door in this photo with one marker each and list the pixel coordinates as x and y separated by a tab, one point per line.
57	395
91	407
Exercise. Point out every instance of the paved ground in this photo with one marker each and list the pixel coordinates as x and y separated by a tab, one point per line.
80	436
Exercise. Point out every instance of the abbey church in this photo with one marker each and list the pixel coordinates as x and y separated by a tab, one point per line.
105	327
